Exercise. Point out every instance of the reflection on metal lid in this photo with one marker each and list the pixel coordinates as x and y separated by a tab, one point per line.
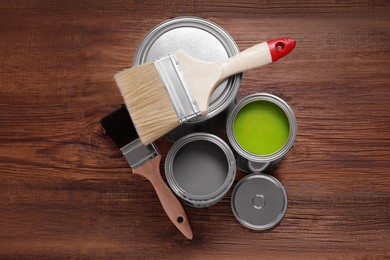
259	201
203	40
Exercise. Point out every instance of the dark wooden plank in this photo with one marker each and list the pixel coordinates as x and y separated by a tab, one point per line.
66	191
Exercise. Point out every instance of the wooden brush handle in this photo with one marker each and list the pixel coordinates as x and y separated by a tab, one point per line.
203	77
173	208
256	56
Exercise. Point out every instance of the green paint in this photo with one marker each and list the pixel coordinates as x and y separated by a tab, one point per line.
261	127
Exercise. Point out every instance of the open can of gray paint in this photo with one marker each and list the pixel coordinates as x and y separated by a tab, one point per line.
204	40
200	168
249	161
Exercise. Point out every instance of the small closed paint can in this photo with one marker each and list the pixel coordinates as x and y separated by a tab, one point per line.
203	40
259	201
261	128
200	168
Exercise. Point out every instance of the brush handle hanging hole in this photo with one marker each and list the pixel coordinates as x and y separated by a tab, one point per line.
180	219
280	46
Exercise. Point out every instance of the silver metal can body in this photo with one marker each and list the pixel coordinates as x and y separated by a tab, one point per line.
200	169
204	40
250	162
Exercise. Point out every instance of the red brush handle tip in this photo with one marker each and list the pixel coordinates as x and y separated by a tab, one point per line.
280	47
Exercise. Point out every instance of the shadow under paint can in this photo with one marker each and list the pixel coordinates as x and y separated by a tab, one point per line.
200	168
261	128
203	40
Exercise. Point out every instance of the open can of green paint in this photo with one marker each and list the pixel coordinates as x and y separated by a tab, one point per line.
261	129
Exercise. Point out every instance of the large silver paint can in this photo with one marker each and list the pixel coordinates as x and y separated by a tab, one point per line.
200	169
249	161
203	40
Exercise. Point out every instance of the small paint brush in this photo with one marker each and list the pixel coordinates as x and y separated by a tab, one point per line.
175	88
145	161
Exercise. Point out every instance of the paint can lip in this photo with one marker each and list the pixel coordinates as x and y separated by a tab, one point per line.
247	216
214	197
231	89
261	97
257	167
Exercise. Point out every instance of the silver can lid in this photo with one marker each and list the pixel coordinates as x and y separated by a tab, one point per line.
259	201
203	40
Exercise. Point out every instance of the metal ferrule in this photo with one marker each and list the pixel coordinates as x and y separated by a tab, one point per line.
179	32
137	154
185	105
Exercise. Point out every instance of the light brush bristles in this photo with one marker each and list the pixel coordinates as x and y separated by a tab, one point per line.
147	101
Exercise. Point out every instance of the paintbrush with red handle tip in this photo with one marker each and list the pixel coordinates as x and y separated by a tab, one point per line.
161	95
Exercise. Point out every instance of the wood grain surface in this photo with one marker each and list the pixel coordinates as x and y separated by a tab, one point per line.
67	192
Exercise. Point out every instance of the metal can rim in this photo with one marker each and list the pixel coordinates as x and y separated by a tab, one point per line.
216	195
266	97
253	168
223	36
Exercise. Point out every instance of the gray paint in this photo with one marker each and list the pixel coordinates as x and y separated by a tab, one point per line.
200	168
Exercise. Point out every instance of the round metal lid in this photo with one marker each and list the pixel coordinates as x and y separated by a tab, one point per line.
200	38
259	201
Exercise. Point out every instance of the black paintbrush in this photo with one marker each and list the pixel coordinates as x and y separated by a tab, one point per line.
145	161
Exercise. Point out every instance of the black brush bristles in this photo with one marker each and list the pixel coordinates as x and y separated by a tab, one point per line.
119	127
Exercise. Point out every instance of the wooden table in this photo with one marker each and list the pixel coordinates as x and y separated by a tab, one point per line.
66	191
